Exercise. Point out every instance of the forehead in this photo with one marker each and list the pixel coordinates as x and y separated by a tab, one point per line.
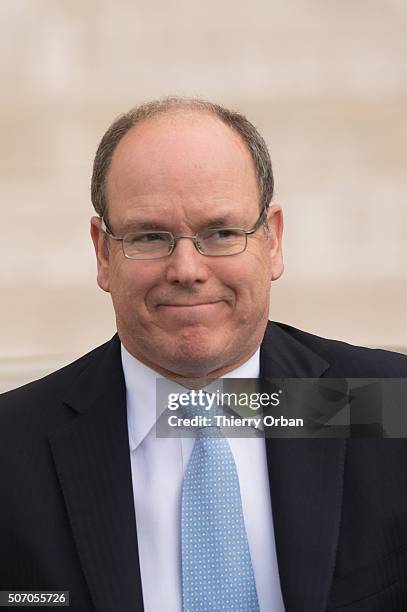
188	154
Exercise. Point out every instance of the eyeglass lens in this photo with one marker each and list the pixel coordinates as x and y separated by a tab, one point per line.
213	242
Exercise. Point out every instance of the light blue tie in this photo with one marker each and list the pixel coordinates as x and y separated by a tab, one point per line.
217	573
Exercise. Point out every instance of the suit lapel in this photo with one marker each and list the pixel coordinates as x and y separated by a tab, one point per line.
92	460
306	480
93	464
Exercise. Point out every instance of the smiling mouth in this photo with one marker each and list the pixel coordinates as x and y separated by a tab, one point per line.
186	305
190	313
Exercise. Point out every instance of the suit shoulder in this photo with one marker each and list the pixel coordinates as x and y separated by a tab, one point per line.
44	390
349	360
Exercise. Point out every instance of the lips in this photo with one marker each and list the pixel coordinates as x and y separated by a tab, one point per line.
188	305
181	314
191	312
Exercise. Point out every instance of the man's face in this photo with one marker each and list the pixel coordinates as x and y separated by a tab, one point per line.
187	314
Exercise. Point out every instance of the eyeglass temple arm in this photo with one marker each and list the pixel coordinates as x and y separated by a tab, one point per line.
262	220
106	229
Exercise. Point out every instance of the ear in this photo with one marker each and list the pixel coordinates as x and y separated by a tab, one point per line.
101	247
275	225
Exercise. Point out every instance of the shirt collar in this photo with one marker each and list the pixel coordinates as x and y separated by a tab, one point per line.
140	383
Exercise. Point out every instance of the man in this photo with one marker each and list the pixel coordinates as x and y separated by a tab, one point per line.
188	243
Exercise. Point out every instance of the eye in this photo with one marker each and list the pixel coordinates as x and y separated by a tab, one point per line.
147	237
223	234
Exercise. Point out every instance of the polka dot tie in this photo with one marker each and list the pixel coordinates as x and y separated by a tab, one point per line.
217	573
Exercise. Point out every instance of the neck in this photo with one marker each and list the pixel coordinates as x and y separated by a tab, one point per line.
190	378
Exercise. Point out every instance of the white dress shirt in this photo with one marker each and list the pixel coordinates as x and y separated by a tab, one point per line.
158	466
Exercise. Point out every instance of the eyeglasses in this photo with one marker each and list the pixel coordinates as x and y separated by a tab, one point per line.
212	242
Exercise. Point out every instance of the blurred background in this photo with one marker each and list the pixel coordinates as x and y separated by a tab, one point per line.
326	84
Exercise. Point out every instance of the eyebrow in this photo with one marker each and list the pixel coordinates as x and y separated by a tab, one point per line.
219	222
143	225
134	225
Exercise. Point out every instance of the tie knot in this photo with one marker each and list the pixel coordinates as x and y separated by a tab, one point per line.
203	409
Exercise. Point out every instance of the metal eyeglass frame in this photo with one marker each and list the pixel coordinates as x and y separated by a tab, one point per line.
195	238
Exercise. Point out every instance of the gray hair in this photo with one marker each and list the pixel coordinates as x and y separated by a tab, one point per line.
239	123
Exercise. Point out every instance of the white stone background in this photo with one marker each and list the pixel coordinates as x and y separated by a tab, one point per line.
326	83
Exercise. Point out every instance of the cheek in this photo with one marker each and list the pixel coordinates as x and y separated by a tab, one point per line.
252	277
130	283
252	287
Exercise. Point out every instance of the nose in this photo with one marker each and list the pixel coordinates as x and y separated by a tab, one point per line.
186	266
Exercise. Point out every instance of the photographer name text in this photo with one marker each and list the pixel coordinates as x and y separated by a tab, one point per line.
220	420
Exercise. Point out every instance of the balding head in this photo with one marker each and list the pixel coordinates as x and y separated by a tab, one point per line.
249	135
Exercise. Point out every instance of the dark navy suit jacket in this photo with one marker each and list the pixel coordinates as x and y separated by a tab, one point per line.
67	517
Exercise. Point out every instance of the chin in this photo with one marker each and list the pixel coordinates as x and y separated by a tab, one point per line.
194	356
